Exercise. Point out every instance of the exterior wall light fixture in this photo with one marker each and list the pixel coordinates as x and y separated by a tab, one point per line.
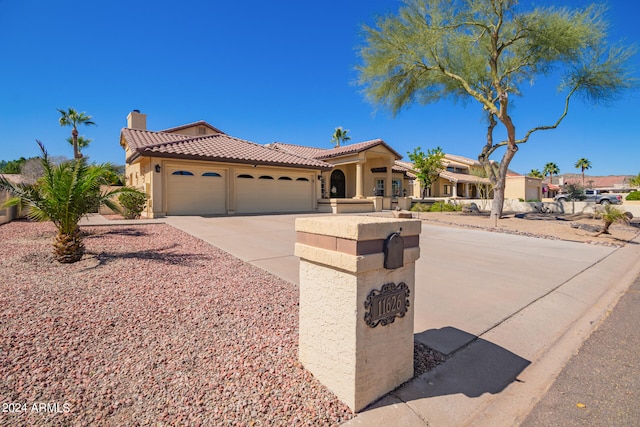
158	168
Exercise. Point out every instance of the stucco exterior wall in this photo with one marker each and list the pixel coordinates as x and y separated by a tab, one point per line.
155	184
523	187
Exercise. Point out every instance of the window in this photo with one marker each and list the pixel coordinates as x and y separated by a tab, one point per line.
448	190
244	175
266	177
302	179
216	174
284	178
396	186
182	173
380	187
202	130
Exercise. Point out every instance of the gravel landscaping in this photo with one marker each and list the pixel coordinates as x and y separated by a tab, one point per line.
152	326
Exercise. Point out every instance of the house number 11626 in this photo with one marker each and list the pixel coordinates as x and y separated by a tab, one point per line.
384	305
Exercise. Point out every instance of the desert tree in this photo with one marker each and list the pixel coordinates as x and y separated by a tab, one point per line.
340	136
487	52
72	118
427	166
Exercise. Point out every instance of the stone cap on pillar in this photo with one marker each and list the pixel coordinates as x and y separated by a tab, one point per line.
354	243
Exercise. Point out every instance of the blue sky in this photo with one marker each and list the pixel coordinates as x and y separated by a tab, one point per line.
265	71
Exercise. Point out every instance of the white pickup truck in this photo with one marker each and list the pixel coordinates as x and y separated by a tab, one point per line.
593	196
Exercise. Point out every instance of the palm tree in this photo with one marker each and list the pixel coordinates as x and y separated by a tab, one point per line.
340	136
583	164
65	194
610	215
551	169
535	173
72	118
82	142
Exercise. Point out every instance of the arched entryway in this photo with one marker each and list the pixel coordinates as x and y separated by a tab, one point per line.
337	188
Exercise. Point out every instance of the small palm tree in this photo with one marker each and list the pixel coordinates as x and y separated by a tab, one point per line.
72	118
583	164
340	136
551	169
610	215
535	173
81	141
65	194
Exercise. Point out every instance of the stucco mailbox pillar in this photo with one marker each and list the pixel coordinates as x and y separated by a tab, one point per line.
357	286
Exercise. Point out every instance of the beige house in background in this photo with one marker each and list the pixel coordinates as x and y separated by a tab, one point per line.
462	178
196	169
523	187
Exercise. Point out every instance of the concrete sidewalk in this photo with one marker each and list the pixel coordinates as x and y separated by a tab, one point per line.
508	310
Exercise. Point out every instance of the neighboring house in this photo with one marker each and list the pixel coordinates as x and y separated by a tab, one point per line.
610	183
11	213
462	178
197	169
523	187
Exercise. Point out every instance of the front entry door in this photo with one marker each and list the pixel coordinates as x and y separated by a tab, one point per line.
337	189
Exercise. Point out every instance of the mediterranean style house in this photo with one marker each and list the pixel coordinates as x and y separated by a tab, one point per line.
197	169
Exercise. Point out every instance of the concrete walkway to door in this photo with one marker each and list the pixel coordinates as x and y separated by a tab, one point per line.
509	310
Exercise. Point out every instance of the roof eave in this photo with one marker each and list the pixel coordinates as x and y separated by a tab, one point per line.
228	160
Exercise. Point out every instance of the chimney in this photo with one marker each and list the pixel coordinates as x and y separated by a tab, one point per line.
137	120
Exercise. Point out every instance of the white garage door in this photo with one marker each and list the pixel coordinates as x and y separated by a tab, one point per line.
257	193
196	191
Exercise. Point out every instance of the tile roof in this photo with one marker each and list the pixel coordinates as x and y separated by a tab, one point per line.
355	148
328	153
461	159
189	125
463	177
298	150
219	147
611	181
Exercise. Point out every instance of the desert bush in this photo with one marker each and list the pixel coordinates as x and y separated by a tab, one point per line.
132	204
420	207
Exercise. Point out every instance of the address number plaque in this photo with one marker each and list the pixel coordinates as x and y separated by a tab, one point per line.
384	305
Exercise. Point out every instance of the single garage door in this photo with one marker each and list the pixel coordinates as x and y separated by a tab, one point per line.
196	191
273	193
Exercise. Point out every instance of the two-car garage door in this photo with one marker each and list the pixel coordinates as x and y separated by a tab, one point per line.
203	191
257	193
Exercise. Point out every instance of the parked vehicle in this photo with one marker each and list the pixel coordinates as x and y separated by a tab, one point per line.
592	196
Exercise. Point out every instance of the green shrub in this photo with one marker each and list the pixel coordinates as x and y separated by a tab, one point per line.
132	204
534	200
441	206
634	195
420	207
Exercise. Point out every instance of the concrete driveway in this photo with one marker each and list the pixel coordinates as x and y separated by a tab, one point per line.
509	310
467	281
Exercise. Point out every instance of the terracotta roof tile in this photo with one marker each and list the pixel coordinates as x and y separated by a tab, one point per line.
298	150
219	147
189	125
463	177
355	148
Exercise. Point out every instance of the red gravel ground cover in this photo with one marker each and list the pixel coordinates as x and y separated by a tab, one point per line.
152	326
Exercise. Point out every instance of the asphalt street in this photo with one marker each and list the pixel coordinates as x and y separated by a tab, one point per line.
600	386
